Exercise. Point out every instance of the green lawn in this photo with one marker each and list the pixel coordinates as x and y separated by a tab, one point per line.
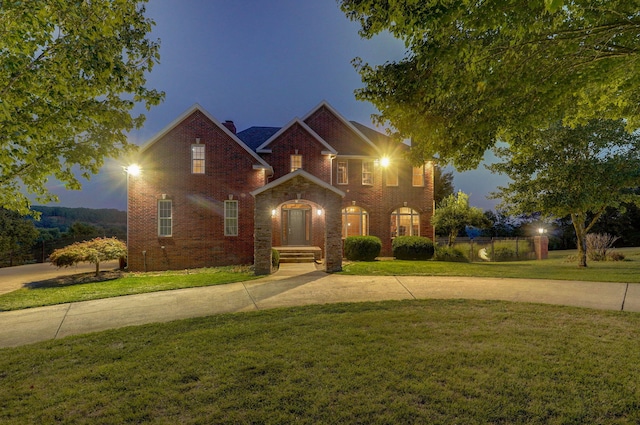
556	267
55	292
396	362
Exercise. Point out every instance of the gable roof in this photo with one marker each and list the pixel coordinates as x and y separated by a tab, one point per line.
261	163
263	147
384	142
348	124
299	172
255	136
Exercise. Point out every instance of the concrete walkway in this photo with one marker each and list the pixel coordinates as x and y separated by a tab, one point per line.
293	285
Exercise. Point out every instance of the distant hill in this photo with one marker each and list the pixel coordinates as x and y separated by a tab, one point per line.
62	217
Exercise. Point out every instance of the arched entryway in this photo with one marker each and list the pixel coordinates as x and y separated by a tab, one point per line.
293	197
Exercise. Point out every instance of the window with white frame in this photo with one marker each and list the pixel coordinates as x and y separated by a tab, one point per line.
296	162
392	175
231	218
165	218
197	159
418	176
405	222
355	222
343	172
367	173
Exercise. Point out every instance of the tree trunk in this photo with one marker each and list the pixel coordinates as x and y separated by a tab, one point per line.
581	236
452	237
97	268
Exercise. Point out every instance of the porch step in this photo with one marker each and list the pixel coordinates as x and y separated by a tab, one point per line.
302	254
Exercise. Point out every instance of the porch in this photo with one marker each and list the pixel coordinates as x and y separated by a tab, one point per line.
299	254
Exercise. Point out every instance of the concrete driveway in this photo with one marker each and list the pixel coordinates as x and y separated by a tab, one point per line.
12	278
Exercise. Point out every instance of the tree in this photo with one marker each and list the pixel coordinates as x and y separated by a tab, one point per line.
578	172
70	74
454	214
476	71
17	236
442	184
93	251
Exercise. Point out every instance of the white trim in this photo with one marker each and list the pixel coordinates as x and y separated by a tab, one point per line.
344	121
329	149
302	173
196	107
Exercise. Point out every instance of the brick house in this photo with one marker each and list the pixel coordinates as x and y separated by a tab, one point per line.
210	196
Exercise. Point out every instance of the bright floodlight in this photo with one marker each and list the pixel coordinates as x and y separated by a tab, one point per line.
384	161
134	170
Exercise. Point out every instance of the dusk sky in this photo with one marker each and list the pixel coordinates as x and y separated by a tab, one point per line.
257	63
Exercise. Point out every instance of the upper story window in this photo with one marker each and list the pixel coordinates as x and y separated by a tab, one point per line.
392	175
231	218
355	222
343	172
405	222
367	173
165	218
296	162
418	176
197	159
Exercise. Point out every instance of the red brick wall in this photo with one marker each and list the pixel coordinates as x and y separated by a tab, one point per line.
198	200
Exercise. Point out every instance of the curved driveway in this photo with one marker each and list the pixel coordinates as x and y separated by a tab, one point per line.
294	285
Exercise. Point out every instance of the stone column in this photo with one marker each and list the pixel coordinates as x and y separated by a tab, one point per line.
262	235
333	234
541	244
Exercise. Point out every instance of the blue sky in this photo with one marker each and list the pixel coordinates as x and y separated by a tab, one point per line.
258	63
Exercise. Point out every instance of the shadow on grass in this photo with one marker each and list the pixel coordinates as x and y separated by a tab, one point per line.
75	279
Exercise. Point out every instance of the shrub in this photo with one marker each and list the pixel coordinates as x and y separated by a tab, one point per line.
615	256
449	253
504	253
598	244
275	258
362	248
93	251
412	248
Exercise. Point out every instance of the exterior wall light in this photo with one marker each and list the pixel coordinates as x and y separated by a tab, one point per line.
273	213
319	212
133	170
384	161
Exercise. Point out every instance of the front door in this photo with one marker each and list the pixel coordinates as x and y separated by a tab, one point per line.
296	225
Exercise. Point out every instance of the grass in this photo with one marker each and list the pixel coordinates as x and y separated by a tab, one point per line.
60	291
434	361
556	267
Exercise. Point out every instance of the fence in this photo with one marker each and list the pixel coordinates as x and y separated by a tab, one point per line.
494	249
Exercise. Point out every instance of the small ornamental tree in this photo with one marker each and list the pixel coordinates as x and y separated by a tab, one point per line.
454	213
93	251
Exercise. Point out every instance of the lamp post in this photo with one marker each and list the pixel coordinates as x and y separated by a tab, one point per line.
541	244
132	170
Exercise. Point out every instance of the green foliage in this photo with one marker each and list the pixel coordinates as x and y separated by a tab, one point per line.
93	251
454	213
504	253
478	71
71	73
275	258
362	248
17	235
412	248
449	253
577	172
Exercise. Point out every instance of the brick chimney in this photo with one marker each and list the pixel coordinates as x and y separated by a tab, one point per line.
230	125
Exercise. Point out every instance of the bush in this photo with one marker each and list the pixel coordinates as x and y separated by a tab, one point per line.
362	248
504	253
93	251
615	256
449	253
598	245
412	248
275	258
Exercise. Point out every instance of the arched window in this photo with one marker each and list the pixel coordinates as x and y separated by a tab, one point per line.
355	222
405	222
